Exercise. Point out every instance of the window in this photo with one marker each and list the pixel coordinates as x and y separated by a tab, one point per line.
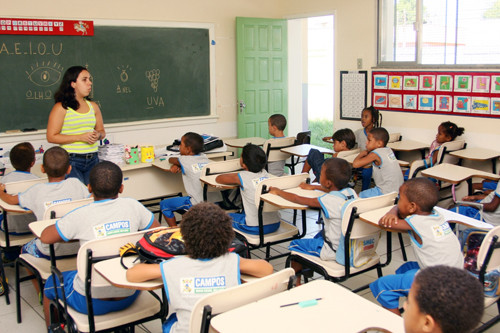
440	32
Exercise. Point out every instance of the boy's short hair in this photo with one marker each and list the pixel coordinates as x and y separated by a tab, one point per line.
347	135
207	231
423	192
22	156
278	120
380	134
193	141
56	161
254	157
441	292
338	171
105	180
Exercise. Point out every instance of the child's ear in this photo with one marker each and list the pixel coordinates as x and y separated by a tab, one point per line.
42	169
429	324
413	208
32	163
343	144
121	189
90	188
69	170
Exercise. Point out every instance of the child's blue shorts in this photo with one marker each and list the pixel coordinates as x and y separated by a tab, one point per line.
78	302
239	224
388	289
371	192
170	205
311	246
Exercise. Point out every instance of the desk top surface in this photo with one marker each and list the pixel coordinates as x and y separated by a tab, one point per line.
303	150
407	145
12	208
282	203
476	154
338	310
242	142
374	216
38	227
210	181
455	174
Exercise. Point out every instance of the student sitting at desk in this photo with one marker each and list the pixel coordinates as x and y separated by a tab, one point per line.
190	163
22	158
370	119
276	124
97	220
207	233
335	175
491	206
253	161
40	196
386	170
343	140
436	301
432	240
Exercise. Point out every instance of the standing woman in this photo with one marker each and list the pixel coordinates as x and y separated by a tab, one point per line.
76	123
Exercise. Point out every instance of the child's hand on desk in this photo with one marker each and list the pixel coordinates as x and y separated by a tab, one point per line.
175	168
469	198
306	186
388	220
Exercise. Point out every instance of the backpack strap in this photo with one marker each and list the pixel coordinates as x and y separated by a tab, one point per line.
127	250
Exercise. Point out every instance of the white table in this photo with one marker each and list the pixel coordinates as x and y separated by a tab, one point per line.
408	145
478	154
242	142
338	310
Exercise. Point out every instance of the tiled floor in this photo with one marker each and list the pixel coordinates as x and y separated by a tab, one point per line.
32	312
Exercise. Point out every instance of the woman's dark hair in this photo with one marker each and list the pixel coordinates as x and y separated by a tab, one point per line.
66	93
254	158
452	129
376	116
207	231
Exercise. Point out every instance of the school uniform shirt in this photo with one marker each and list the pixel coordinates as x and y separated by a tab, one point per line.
102	219
276	168
361	138
490	217
19	224
331	209
439	245
41	196
249	181
191	166
387	176
187	280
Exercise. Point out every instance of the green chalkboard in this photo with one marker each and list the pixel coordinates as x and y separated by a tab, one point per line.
139	73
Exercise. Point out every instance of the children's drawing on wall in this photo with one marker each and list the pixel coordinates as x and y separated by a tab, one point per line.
380	81
427	82
495	84
426	102
411	82
444	83
480	105
461	104
495	106
395	101
380	100
481	84
444	103
410	102
463	83
395	82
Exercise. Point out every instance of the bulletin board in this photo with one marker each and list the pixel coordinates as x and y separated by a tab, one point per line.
353	93
441	92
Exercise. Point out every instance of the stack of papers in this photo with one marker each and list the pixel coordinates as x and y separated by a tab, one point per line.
113	152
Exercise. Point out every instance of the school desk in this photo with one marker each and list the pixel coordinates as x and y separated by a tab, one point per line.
337	310
408	146
478	154
350	159
282	203
374	216
456	174
242	142
302	151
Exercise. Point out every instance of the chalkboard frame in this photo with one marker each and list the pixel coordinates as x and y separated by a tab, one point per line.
209	27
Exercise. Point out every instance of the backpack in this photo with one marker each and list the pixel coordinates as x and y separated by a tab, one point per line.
164	243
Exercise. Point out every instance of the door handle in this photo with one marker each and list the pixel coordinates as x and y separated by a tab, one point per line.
242	105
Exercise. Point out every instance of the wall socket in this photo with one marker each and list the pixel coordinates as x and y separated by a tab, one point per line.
359	63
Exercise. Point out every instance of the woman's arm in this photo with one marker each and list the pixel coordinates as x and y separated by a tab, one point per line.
255	267
143	272
99	123
55	124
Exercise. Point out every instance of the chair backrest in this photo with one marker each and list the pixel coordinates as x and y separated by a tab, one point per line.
21	186
108	247
345	153
234	297
393	137
303	138
447	147
482	256
364	205
221	167
61	209
272	148
283	183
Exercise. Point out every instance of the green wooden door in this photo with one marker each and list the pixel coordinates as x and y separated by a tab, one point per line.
261	46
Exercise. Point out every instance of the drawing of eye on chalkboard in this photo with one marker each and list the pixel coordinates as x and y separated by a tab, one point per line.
138	72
